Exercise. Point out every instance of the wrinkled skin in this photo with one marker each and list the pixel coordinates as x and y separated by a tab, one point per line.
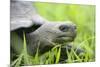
50	33
46	35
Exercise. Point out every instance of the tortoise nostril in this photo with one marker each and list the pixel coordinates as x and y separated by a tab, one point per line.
64	28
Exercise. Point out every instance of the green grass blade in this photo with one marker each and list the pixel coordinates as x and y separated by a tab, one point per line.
58	55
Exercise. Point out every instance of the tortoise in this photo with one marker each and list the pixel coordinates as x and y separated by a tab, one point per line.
24	17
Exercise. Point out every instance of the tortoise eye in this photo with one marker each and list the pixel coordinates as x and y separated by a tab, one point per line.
64	28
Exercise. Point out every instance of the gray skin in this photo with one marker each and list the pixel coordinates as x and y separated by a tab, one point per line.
44	33
49	34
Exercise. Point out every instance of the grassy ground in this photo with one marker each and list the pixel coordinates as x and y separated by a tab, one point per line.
83	16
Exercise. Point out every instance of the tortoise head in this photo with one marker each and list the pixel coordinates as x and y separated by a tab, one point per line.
54	32
50	33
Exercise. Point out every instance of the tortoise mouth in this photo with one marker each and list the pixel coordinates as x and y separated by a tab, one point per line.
72	36
63	39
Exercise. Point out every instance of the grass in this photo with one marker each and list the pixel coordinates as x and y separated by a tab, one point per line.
83	16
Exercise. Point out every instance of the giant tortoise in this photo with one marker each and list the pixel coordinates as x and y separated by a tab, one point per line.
37	29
